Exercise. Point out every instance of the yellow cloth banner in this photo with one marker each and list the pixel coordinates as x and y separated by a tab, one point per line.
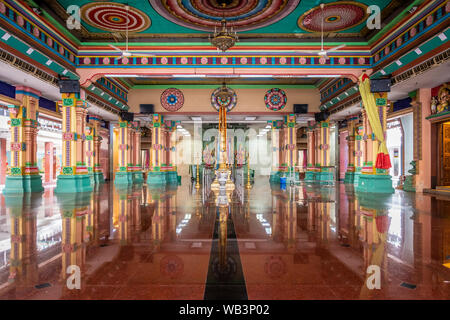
369	103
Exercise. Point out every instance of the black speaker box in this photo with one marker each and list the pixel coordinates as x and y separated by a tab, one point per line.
380	85
69	86
321	116
300	108
147	108
127	116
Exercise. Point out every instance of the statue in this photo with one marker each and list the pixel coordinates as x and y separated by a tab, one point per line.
434	103
443	97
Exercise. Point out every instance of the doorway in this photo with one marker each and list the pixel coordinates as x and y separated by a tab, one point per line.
444	154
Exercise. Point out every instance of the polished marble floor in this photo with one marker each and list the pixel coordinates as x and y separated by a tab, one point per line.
304	242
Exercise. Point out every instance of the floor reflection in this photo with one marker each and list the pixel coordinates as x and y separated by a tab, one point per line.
307	242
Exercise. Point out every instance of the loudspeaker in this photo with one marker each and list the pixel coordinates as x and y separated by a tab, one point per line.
147	108
68	86
321	116
300	108
380	85
127	116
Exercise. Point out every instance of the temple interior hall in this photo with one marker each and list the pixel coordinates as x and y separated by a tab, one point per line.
225	150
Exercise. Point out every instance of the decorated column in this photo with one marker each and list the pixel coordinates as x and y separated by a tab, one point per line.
350	174
171	170
359	151
276	150
325	176
93	149
291	147
375	176
74	175
311	165
156	176
124	174
136	154
24	173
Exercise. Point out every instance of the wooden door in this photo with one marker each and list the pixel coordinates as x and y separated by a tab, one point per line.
445	155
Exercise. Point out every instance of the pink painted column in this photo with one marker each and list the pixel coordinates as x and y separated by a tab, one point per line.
48	169
3	161
344	147
423	177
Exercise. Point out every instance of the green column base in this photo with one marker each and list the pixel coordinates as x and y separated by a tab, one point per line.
98	177
310	176
274	177
23	184
356	176
172	177
123	178
138	177
325	178
375	183
349	177
294	179
73	183
156	178
408	185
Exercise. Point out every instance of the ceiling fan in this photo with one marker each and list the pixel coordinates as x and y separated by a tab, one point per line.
125	53
322	53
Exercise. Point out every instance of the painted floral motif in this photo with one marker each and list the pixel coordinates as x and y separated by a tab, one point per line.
429	20
87	60
36	32
184	60
322	60
341	60
144	60
125	60
204	60
164	60
413	32
302	60
20	21
283	60
106	60
275	99
224	60
361	61
243	60
172	99
263	60
224	97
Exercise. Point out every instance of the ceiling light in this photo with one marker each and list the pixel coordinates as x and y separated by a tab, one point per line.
322	75
250	118
442	36
49	62
255	76
268	126
196	118
179	127
30	51
189	75
6	36
224	39
398	62
418	51
382	72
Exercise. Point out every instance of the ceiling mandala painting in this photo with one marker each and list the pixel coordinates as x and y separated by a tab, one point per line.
338	16
242	15
112	16
172	99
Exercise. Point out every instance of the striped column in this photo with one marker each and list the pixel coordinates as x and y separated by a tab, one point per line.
95	139
359	151
157	176
74	176
124	173
276	149
350	174
311	165
23	172
136	153
326	175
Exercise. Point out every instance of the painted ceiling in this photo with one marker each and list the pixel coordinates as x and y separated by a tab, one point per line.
192	18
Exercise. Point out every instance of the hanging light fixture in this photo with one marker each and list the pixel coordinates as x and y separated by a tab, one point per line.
224	39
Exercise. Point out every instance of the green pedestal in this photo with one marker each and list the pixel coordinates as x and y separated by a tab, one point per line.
293	179
73	183
325	177
123	178
138	177
172	177
408	185
156	178
375	183
310	176
356	176
274	177
23	184
349	177
98	177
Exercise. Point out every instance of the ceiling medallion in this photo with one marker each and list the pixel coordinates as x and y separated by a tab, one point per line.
337	16
111	16
224	97
242	15
275	99
172	99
